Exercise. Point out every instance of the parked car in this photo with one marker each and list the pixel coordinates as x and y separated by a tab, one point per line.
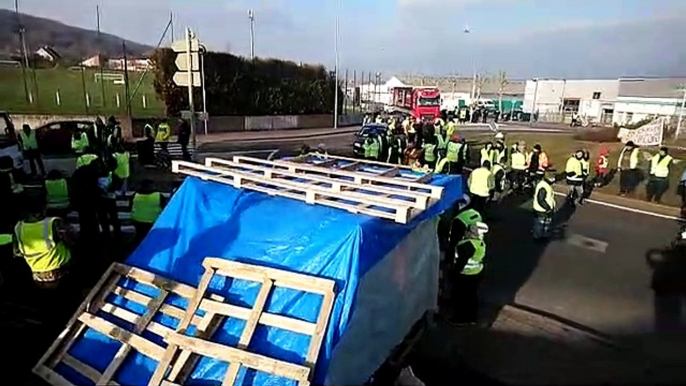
365	131
55	137
8	141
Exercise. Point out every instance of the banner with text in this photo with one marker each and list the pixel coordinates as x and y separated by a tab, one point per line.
647	135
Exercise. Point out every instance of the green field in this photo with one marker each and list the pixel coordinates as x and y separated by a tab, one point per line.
70	85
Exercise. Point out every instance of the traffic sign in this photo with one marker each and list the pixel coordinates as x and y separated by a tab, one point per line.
181	45
181	79
182	61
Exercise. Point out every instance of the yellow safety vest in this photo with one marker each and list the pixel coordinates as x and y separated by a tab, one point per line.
574	166
123	166
475	264
29	142
549	196
450	129
58	194
486	155
453	151
518	161
80	145
36	243
6	239
498	156
163	132
441	165
481	182
85	159
633	160
146	207
660	168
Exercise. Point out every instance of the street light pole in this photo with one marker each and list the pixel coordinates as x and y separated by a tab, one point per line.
681	114
335	101
251	16
533	107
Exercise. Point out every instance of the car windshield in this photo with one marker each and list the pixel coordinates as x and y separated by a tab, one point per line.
429	101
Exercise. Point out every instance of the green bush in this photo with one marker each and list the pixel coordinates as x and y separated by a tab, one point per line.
238	86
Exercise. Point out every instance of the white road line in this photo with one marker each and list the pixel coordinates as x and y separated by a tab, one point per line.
627	209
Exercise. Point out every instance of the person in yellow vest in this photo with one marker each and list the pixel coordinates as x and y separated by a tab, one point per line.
517	168
430	152
44	243
86	158
163	133
544	207
122	172
29	146
57	194
487	153
79	141
575	178
467	272
627	164
481	184
146	206
659	175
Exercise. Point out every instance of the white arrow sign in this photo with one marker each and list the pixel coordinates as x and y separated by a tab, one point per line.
181	45
181	79
182	61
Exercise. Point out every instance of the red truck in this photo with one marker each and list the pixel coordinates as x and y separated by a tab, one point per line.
422	102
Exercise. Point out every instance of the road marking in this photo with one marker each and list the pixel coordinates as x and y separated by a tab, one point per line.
586	243
627	209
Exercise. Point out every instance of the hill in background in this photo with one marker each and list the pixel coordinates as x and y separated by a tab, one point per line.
71	43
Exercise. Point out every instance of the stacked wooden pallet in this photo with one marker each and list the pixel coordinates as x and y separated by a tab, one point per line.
376	189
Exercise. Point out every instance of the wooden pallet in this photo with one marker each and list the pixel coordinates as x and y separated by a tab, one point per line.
180	344
418	200
131	340
345	172
312	192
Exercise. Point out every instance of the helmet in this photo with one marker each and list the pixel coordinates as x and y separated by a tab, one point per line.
455	138
499	135
479	229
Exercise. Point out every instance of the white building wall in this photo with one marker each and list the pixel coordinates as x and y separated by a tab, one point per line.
633	109
550	94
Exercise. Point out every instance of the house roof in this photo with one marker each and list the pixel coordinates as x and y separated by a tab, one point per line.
651	88
51	51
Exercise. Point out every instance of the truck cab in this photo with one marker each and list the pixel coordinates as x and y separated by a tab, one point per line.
427	104
9	145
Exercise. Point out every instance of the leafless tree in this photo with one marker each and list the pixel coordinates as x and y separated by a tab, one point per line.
481	79
501	81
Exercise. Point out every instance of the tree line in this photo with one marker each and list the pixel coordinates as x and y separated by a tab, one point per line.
240	86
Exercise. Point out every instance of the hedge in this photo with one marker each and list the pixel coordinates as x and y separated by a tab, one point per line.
239	86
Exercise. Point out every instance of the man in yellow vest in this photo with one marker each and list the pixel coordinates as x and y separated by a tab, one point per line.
430	152
544	207
487	153
517	167
627	164
122	172
372	148
574	172
57	194
86	158
146	206
29	146
44	243
163	134
481	184
659	175
468	265
79	141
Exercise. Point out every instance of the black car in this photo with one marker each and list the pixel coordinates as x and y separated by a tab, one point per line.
365	131
55	137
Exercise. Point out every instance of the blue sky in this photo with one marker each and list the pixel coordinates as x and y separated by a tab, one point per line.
526	38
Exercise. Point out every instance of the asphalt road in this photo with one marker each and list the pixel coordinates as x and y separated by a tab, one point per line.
592	275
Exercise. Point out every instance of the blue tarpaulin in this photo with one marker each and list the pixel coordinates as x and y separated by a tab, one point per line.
206	219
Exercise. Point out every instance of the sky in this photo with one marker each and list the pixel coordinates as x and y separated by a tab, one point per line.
525	38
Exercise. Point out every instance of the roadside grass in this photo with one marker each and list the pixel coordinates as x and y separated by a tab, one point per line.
561	146
70	84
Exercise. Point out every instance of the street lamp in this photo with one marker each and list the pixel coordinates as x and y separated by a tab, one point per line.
251	16
335	102
533	107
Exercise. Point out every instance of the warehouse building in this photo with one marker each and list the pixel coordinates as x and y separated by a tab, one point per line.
641	99
556	100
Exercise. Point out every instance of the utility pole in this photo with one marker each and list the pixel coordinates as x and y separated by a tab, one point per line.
251	16
171	23
126	79
100	57
22	43
189	38
335	103
533	107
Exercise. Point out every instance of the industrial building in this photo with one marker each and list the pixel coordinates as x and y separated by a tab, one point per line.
604	101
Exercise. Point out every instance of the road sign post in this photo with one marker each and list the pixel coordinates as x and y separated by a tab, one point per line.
188	63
